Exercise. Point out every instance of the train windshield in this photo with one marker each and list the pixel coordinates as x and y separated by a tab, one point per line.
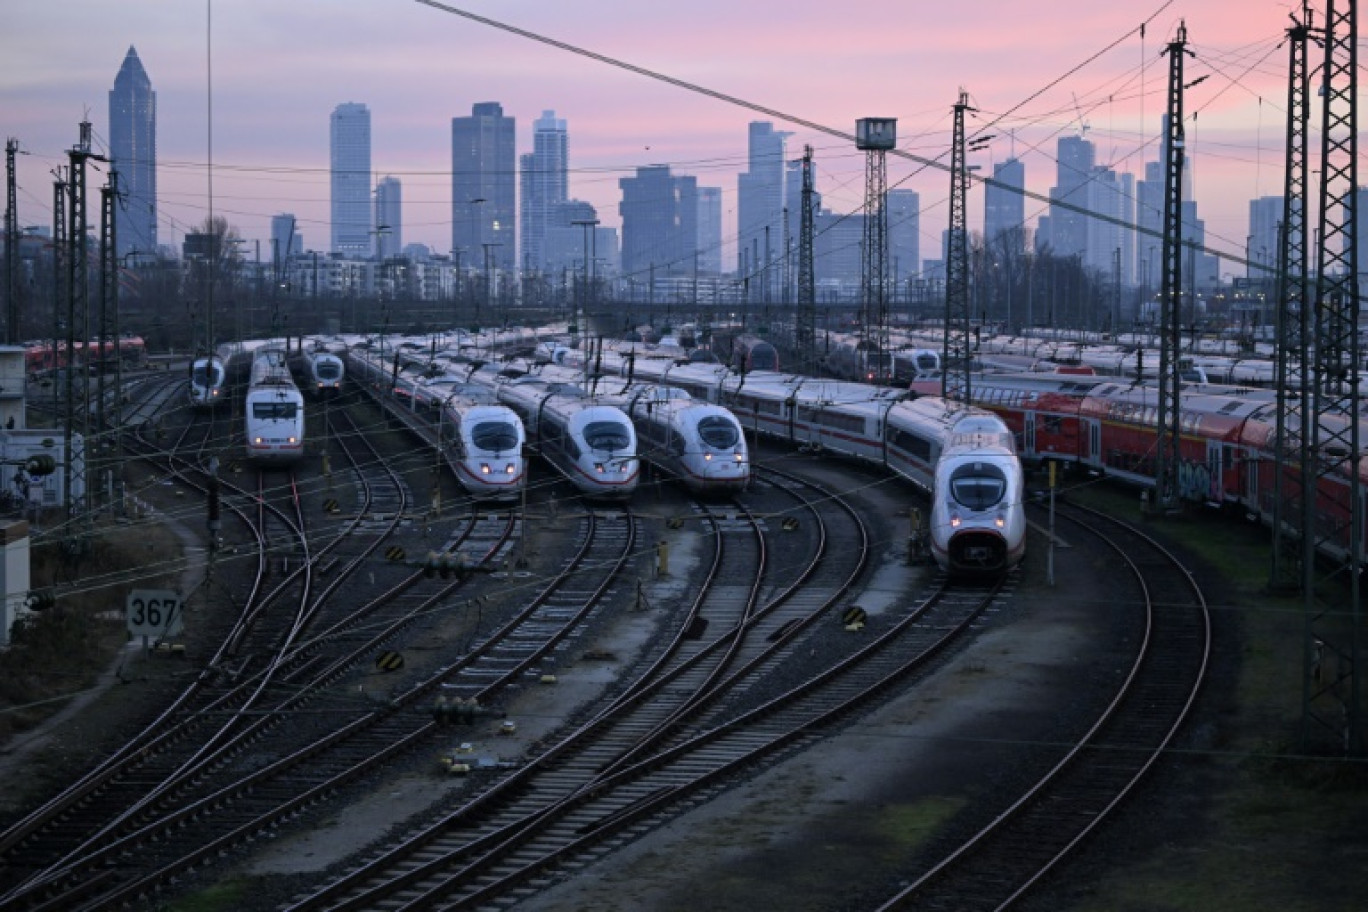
978	485
607	435
200	375
718	432
284	410
495	435
327	370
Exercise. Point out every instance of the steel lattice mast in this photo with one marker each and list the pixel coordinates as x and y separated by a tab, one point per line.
78	321
1171	284
807	285
59	254
1332	396
955	354
109	304
1290	356
875	136
11	246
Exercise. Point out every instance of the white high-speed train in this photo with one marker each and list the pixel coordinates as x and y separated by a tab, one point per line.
481	439
877	425
323	370
274	410
484	442
698	442
977	522
208	383
593	446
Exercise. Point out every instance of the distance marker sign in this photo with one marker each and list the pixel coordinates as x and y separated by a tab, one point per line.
154	613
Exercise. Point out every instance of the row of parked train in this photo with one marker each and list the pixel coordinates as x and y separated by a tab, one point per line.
690	419
844	356
963	457
595	439
1227	441
273	410
42	357
482	440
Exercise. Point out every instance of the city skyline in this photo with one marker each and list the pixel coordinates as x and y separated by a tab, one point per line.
270	147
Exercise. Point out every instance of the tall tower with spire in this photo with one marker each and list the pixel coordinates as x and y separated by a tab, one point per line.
133	151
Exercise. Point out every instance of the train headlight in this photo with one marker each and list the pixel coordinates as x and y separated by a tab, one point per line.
740	457
598	467
484	468
509	470
258	441
955	521
293	440
1001	521
707	457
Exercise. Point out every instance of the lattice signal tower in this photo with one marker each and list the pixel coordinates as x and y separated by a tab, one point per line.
1332	588
875	136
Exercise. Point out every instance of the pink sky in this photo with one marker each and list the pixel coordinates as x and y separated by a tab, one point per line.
279	69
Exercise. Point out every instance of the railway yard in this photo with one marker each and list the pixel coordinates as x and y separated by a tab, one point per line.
390	697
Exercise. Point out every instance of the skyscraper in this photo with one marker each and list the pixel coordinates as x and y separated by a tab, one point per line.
545	184
484	186
389	218
351	179
760	200
1265	238
710	230
133	149
659	223
286	241
1109	247
904	238
1066	232
1004	207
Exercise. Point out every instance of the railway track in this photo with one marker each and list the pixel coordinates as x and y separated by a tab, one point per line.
705	710
1029	839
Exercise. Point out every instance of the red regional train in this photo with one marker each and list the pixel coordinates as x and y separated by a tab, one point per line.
1227	438
42	357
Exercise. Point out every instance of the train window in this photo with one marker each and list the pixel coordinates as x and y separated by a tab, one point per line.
495	435
607	435
1053	424
917	447
978	485
285	410
718	432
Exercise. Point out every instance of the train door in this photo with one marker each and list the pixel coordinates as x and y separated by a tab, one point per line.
1028	433
1216	454
1090	442
1248	473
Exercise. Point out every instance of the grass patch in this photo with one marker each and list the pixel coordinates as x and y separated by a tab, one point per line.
906	827
225	895
58	653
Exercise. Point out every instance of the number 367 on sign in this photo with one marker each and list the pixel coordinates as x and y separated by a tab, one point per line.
154	613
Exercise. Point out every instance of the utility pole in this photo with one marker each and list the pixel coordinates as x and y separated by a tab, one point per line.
807	285
1171	286
109	305
488	284
956	359
78	314
11	246
59	255
1332	717
1291	318
875	136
